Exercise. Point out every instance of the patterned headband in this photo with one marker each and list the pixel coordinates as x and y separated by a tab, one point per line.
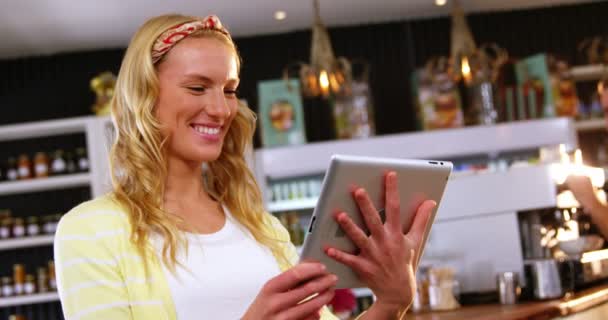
173	35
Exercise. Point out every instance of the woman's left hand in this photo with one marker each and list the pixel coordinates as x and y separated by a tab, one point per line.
387	258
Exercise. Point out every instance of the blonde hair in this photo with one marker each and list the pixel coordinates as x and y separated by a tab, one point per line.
138	158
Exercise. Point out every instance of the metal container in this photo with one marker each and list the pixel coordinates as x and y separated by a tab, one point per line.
508	287
545	277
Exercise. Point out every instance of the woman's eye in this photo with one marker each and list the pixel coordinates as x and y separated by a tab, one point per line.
197	89
231	92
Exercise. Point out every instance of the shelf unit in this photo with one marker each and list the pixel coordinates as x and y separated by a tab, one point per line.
97	131
26	242
29	299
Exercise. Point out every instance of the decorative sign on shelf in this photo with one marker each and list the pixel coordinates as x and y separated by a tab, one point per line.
281	114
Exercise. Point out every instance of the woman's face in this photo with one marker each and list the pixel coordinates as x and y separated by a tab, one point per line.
197	99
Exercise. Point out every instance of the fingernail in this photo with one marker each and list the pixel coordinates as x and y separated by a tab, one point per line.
322	267
334	278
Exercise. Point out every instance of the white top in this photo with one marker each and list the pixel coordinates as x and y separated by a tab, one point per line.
227	269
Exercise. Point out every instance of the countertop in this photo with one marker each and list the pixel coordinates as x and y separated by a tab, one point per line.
535	310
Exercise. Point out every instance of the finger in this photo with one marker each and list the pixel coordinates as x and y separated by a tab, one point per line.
353	231
294	276
421	220
292	297
369	212
392	202
309	308
354	262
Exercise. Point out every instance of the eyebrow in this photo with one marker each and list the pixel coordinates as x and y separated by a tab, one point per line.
207	79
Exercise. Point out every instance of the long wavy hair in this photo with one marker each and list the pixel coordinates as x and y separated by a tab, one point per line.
138	159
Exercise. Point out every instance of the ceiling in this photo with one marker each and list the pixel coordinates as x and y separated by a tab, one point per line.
37	27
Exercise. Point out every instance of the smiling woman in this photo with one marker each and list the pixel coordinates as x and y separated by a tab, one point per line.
170	240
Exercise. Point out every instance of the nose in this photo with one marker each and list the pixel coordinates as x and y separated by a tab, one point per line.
217	106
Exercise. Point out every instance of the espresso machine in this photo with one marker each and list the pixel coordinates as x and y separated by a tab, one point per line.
563	251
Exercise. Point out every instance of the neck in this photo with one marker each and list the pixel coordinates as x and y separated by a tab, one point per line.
184	182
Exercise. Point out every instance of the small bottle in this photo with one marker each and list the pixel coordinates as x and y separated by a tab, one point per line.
24	167
55	222
5	227
47	225
41	165
7	287
18	228
83	159
295	229
58	165
12	173
33	228
30	284
43	280
52	280
19	279
70	163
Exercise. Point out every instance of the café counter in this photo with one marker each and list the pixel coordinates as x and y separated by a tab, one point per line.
589	304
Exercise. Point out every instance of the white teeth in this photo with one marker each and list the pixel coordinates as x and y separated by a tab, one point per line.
206	130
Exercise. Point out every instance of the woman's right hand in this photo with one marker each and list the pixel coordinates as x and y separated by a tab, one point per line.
280	297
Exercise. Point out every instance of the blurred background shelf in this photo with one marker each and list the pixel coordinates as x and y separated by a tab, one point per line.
30	299
44	184
362	292
589	125
26	242
290	205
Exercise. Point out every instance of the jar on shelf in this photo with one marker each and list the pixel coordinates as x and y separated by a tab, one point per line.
70	163
18	228
58	165
295	229
24	167
47	224
12	173
16	317
83	159
30	284
19	279
41	165
6	225
52	279
7	287
33	227
43	280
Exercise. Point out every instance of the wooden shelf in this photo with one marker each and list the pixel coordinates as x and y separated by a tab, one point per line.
30	299
26	242
44	184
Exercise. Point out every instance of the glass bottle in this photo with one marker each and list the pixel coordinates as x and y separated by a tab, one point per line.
18	228
7	287
70	163
58	165
30	284
41	165
19	279
43	280
5	227
11	169
33	228
24	167
52	280
83	159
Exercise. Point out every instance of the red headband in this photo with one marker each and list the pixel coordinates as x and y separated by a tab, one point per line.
173	35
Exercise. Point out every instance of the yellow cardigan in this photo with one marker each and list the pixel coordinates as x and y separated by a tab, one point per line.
101	276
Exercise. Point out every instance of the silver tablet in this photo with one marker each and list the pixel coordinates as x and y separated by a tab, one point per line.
418	180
